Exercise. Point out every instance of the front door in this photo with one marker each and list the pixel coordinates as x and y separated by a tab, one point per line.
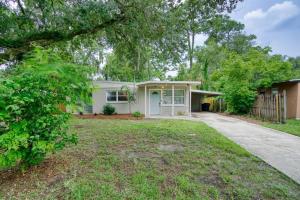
155	102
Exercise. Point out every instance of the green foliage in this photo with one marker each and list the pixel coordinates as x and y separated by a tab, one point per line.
242	74
31	123
296	66
239	97
136	114
108	109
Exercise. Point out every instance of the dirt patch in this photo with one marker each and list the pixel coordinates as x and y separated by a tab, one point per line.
116	116
213	178
171	148
50	172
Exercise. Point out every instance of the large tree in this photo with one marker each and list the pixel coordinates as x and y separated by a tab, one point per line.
45	22
199	17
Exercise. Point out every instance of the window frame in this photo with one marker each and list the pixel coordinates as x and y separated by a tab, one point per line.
117	96
162	97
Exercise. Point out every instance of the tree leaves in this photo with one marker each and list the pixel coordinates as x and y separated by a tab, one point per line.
31	95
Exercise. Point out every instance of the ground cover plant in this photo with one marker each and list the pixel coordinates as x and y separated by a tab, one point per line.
149	159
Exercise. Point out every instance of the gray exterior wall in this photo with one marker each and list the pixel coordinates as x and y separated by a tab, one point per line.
99	98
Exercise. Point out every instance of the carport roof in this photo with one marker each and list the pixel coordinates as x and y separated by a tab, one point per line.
211	93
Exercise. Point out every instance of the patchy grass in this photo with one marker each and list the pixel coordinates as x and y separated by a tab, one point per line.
149	159
292	126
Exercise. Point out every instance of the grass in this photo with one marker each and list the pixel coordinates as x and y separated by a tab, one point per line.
149	159
292	126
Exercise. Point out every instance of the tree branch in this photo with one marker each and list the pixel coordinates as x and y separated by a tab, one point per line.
13	48
21	7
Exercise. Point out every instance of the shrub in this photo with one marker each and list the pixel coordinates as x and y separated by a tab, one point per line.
108	109
32	124
136	114
239	98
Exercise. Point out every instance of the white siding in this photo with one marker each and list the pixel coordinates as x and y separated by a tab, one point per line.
99	98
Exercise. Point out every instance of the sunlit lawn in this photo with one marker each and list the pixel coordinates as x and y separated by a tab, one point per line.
150	159
291	126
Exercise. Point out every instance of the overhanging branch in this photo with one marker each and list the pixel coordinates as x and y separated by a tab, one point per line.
15	48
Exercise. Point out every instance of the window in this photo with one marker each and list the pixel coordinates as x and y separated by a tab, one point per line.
167	96
122	96
178	97
111	96
116	96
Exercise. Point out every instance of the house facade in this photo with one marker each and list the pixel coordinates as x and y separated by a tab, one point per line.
166	98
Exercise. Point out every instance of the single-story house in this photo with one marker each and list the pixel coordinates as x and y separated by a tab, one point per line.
291	89
166	98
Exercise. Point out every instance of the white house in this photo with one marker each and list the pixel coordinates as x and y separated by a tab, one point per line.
167	98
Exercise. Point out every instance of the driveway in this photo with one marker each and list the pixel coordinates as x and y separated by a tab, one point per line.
279	149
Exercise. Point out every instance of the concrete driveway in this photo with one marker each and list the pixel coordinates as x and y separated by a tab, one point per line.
279	149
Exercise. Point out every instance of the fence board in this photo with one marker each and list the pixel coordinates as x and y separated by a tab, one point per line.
270	107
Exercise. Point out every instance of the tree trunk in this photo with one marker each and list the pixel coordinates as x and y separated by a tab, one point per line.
191	45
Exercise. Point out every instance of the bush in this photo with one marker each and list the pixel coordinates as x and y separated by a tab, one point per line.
239	98
108	109
32	124
136	114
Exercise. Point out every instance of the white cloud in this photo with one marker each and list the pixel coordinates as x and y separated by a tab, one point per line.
260	20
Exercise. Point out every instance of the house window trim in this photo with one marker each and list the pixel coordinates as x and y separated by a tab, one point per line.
175	105
117	97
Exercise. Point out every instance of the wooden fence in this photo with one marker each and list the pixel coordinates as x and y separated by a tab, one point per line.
270	107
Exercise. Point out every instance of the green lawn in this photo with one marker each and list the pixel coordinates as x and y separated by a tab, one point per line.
149	159
292	126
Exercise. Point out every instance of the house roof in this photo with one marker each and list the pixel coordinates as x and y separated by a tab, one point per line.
294	80
210	93
112	84
289	81
169	82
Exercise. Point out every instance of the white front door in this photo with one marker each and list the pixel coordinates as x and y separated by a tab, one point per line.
155	102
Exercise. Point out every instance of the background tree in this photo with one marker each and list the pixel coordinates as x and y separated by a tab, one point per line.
296	66
242	74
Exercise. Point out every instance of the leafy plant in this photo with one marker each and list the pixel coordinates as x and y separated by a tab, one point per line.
242	74
136	114
32	124
108	109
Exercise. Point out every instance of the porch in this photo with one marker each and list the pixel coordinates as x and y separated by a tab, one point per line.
172	98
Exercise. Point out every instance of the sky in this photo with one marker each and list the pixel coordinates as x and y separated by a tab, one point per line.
276	23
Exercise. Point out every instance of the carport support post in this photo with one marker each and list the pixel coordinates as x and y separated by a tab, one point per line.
190	99
145	100
173	93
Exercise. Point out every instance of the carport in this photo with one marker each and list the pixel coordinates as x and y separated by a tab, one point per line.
198	97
